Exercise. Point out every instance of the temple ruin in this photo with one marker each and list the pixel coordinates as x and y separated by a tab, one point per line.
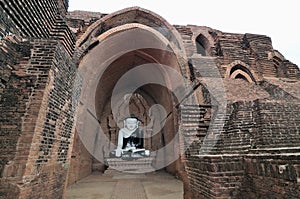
233	122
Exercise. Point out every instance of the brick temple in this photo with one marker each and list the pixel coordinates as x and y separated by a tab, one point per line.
237	128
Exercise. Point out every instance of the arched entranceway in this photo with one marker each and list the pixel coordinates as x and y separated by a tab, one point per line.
135	68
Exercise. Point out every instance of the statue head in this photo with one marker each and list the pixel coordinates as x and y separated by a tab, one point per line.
131	123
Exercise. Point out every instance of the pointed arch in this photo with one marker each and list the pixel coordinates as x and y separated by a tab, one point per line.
241	74
240	70
128	16
134	18
202	45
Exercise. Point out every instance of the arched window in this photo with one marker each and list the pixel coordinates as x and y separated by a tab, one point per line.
241	72
202	45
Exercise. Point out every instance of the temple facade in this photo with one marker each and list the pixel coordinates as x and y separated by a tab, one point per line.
221	111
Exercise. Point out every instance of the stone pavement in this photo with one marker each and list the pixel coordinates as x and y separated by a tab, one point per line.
155	185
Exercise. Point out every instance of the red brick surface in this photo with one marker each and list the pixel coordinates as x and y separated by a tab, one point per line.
256	151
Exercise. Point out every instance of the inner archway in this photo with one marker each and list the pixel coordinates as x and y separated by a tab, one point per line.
159	131
151	59
131	69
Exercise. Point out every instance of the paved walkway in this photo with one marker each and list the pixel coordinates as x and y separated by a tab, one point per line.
156	185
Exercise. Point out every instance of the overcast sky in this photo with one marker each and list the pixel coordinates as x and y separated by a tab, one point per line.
276	19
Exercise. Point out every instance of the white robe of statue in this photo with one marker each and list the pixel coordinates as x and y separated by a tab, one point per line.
130	125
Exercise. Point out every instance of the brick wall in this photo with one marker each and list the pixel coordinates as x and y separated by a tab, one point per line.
259	138
81	162
254	50
272	176
282	88
239	90
36	19
258	146
53	150
279	124
15	91
292	70
259	115
220	172
40	96
217	176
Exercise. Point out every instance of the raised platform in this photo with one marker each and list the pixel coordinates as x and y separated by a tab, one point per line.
138	165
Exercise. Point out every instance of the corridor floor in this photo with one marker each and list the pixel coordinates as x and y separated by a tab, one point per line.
156	185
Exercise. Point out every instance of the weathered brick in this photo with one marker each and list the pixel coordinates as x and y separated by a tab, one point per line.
255	151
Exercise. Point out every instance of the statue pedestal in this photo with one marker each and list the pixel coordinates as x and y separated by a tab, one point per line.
133	165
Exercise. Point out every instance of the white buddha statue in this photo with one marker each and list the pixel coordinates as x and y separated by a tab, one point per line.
130	137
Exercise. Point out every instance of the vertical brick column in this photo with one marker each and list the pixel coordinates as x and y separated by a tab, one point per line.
45	131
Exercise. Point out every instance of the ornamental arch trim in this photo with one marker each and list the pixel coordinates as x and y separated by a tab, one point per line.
240	68
132	18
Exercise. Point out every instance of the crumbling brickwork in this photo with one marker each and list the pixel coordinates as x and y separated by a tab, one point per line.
37	19
37	114
41	113
271	176
261	126
15	92
256	140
